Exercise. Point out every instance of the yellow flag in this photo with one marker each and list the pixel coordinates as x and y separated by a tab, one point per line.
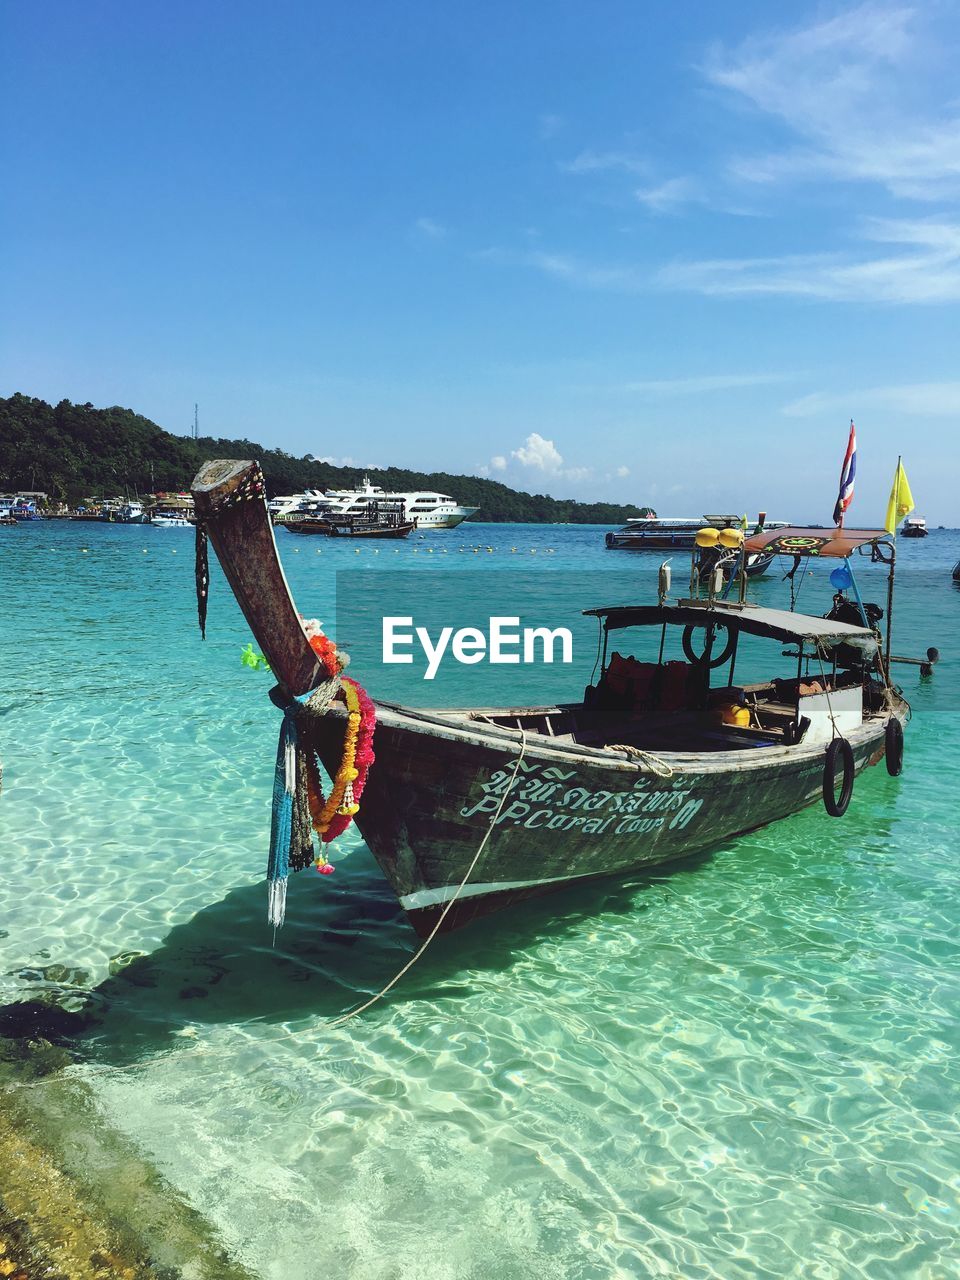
901	500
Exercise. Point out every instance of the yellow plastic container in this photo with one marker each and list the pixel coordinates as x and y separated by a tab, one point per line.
707	537
732	713
731	538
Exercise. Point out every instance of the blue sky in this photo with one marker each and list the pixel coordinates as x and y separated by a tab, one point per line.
650	253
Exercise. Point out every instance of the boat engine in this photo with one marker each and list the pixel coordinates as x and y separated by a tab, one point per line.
844	610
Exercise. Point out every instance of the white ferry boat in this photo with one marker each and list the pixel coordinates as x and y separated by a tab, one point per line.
429	510
915	527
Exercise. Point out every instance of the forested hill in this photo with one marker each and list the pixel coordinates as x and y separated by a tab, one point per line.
72	451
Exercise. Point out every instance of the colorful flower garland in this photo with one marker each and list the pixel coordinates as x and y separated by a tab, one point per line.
332	661
358	744
331	817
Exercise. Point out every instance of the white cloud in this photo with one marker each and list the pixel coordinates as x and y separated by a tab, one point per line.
430	228
575	271
705	382
604	161
847	89
928	399
664	196
667	197
622	472
538	452
927	270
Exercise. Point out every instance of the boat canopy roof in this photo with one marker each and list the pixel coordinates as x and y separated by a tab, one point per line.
772	624
813	542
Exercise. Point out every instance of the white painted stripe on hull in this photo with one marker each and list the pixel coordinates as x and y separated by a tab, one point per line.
430	897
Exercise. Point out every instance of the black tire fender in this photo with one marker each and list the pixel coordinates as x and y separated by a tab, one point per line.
893	747
697	659
836	805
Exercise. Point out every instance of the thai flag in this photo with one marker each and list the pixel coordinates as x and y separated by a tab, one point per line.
847	474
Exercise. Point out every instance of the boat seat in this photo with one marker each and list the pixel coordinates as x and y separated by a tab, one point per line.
642	688
782	710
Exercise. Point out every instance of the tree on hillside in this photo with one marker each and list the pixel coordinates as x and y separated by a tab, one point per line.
75	450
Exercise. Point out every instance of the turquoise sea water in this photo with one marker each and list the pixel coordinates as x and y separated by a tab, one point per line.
742	1066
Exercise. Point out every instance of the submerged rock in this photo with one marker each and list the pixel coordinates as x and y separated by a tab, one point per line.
35	1019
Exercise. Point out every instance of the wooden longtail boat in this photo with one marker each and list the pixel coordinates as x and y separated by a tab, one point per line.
646	769
345	528
376	518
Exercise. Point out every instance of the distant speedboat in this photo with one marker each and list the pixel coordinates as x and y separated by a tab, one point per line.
679	533
915	527
674	533
171	522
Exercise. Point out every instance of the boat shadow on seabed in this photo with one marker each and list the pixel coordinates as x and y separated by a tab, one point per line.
223	967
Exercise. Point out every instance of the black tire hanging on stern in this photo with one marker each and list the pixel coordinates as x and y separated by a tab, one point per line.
836	805
893	747
697	659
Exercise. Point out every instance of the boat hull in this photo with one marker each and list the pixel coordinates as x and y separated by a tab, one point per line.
569	815
628	541
425	524
384	531
329	529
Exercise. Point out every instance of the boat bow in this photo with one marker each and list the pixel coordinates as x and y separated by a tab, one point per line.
229	496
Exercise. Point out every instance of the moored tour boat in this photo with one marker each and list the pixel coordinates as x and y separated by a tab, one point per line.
467	811
132	512
374	519
915	527
25	510
346	529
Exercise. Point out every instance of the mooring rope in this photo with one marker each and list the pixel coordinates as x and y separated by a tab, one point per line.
345	1017
654	763
407	967
826	690
203	1049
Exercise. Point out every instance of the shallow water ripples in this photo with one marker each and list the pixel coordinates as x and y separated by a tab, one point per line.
745	1067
